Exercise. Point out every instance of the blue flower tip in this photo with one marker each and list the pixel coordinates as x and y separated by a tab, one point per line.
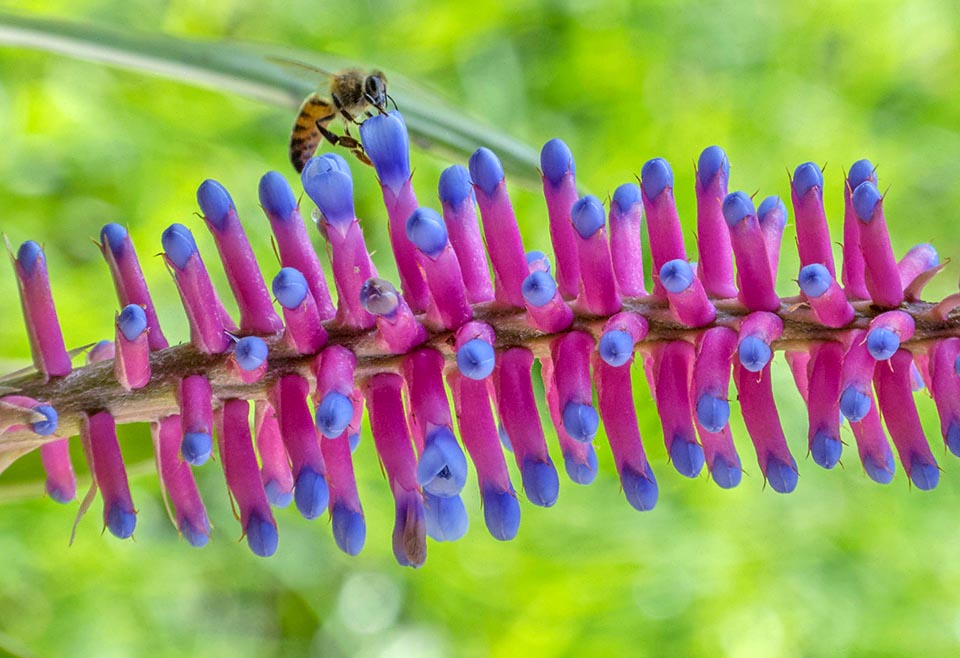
349	529
860	172
676	275
587	216
712	161
825	450
195	448
655	176
178	244
277	494
501	512
616	347
814	280
641	489
556	161
952	439
196	537
455	187
880	473
540	482
276	195
736	207
771	209
486	171
687	457
426	230
537	260
781	476
121	522
725	473
854	405
379	297
132	321
476	359
579	471
334	413
442	468
215	202
114	236
866	196
626	196
262	537
330	186
882	343
28	255
538	288
754	354
806	177
310	493
580	421
290	287
58	495
713	413
924	475
387	144
48	425
250	352
445	516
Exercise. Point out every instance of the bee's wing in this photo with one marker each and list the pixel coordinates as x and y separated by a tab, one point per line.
306	135
296	63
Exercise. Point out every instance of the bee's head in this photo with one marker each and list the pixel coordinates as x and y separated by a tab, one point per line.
375	89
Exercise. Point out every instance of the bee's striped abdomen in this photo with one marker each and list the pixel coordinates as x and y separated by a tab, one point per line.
306	134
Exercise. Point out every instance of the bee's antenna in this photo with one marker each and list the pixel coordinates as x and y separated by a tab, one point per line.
390	98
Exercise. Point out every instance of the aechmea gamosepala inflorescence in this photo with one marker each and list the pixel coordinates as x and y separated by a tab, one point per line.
280	394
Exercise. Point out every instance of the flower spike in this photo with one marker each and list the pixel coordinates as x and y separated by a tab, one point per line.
857	354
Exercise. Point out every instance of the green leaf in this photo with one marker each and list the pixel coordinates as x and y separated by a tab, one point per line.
251	71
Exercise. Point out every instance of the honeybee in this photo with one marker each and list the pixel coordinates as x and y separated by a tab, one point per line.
352	94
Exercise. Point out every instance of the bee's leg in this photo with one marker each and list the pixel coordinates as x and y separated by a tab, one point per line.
348	118
346	141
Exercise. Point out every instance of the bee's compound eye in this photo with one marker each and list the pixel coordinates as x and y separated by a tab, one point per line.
374	87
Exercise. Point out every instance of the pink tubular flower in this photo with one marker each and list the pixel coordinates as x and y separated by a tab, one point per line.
243	477
246	281
559	171
713	238
460	216
626	218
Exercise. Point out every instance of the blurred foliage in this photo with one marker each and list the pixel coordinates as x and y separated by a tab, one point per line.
840	567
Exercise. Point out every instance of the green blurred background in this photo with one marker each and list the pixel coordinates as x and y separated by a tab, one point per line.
840	567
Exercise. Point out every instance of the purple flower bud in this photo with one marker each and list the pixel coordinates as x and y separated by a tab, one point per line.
860	172
501	513
587	216
486	170
539	288
712	161
330	187
387	144
250	353
445	517
475	359
276	195
616	347
556	161
178	244
455	186
442	468
582	470
349	529
289	287
425	229
215	202
310	493
805	177
48	425
334	414
655	176
132	321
